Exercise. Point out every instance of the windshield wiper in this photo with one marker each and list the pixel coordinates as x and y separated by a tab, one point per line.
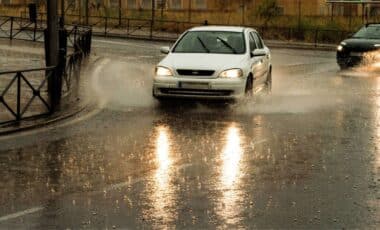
227	45
203	44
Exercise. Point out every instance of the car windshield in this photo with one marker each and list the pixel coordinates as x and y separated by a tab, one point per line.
220	42
369	32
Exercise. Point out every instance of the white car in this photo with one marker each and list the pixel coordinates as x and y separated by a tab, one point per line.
214	62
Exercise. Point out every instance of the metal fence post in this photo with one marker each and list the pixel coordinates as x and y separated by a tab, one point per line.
128	26
316	38
105	25
11	33
151	29
18	112
61	61
177	28
75	33
34	31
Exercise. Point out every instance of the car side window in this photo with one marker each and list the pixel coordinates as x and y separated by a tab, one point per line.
258	40
252	43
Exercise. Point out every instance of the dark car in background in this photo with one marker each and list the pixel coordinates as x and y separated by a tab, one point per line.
363	48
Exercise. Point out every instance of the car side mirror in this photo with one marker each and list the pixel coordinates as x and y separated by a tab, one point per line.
165	49
258	53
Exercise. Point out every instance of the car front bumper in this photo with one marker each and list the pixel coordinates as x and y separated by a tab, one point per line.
180	87
349	58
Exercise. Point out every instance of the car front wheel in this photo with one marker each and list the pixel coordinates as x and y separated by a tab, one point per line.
268	83
249	87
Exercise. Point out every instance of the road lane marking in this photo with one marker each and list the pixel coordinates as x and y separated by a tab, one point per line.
20	214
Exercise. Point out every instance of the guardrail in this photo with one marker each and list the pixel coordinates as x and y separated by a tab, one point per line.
21	28
80	38
170	30
161	29
21	89
18	103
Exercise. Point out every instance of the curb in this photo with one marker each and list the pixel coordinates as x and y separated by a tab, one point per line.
43	122
302	46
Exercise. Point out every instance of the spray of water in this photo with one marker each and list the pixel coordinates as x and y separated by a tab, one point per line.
120	84
124	85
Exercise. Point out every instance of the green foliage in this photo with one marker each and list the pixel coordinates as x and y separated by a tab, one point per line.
268	10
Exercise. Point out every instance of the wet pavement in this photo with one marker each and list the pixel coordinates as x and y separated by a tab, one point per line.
305	157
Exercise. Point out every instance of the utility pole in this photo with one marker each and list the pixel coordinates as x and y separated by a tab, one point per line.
63	12
152	19
243	12
189	13
120	13
51	52
80	11
86	11
163	4
153	10
299	14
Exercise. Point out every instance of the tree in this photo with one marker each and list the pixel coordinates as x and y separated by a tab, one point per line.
268	10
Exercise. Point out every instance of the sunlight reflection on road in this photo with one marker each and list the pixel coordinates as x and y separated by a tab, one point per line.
231	173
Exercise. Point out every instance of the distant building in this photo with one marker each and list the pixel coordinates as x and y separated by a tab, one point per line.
13	2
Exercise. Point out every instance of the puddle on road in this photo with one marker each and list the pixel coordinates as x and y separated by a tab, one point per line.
360	72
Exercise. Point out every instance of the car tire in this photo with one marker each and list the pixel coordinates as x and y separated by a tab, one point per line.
156	97
343	67
268	83
249	87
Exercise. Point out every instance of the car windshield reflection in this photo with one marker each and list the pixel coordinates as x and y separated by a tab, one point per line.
368	32
220	42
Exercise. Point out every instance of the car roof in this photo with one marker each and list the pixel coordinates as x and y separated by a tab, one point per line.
219	28
372	24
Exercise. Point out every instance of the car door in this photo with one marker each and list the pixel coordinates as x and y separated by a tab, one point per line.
264	60
256	62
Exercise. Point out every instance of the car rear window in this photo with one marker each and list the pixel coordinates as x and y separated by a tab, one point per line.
221	42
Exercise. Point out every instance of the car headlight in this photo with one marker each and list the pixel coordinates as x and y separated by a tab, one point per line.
341	46
232	73
163	71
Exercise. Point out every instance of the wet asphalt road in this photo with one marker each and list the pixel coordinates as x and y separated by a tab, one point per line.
306	157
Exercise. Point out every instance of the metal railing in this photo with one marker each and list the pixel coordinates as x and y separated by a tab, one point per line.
13	99
21	29
80	38
161	29
21	88
170	30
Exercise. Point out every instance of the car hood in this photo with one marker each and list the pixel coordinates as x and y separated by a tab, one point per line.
216	62
361	44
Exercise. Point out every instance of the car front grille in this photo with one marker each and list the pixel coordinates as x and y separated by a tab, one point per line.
196	92
189	72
